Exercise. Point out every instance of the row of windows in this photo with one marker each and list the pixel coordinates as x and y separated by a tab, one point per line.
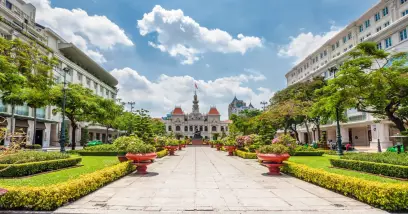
388	41
377	17
200	128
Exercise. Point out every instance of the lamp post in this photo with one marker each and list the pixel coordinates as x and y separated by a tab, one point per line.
378	137
264	104
62	137
339	144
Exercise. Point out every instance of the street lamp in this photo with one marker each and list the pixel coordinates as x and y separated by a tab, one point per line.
264	104
62	137
339	144
378	137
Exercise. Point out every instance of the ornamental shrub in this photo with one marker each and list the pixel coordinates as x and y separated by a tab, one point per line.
385	157
31	156
308	153
228	142
172	142
391	170
102	148
53	196
274	149
245	155
388	196
140	148
24	169
160	141
121	143
162	153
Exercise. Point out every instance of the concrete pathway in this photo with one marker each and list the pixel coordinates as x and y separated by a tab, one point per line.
202	180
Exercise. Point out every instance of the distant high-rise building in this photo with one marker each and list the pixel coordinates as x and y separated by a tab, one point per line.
237	106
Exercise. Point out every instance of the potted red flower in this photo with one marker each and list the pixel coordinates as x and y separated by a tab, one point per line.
272	157
218	145
141	154
172	145
230	146
121	144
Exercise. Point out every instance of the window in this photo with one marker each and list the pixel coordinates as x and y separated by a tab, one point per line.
206	128
349	36
362	39
79	76
214	128
96	86
313	61
385	10
344	39
317	58
368	35
191	128
386	24
377	16
321	55
379	45
186	128
8	5
169	129
337	44
178	128
403	35
88	81
107	92
361	28
403	1
101	89
367	23
333	47
388	42
404	13
350	46
378	29
325	53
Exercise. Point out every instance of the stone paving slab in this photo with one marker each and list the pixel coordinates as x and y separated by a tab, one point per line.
202	180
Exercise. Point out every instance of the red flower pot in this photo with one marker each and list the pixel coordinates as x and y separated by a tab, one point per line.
184	145
180	147
230	150
273	161
171	149
122	158
141	161
218	146
212	145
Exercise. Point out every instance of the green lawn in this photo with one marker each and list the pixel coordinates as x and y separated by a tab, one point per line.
90	164
322	162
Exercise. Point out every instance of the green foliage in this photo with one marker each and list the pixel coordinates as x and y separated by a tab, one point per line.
53	196
30	168
158	127
121	143
35	146
97	153
274	149
108	114
172	142
133	145
140	148
84	136
246	155
144	128
228	142
102	148
384	157
391	170
307	153
30	156
382	195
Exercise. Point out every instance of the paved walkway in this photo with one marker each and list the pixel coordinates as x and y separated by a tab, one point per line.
202	180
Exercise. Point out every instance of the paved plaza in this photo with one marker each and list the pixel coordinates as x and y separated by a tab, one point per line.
202	180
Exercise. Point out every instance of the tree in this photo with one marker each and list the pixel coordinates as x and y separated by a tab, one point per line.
127	122
81	105
84	136
159	128
144	129
108	114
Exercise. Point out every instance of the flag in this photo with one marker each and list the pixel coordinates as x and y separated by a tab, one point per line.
195	84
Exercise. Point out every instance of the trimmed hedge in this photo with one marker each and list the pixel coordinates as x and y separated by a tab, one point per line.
54	196
162	153
384	157
391	170
96	153
245	155
31	156
388	196
308	153
24	169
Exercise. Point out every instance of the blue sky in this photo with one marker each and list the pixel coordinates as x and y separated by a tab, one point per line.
253	70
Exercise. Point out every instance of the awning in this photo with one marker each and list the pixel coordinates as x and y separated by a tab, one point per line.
22	123
40	126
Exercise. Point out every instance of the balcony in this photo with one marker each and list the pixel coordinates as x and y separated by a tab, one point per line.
40	113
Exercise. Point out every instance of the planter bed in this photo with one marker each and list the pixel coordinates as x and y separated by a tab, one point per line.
245	155
53	196
24	169
390	170
308	153
388	196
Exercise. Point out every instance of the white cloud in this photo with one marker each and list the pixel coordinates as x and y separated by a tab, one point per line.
182	37
162	95
306	43
91	33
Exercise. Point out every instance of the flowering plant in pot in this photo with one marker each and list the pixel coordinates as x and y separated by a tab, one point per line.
180	143
272	157
142	155
218	145
230	145
172	145
121	144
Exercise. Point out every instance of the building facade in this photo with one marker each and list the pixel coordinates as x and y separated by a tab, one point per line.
386	23
18	21
195	125
237	106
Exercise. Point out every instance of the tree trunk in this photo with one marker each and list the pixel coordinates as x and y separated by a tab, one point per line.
13	109
309	136
296	133
318	132
74	127
107	132
35	126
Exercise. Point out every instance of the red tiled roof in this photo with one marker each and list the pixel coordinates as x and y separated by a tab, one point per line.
213	111
178	111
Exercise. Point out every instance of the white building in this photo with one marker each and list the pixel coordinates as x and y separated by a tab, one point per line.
196	125
237	106
386	24
18	21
